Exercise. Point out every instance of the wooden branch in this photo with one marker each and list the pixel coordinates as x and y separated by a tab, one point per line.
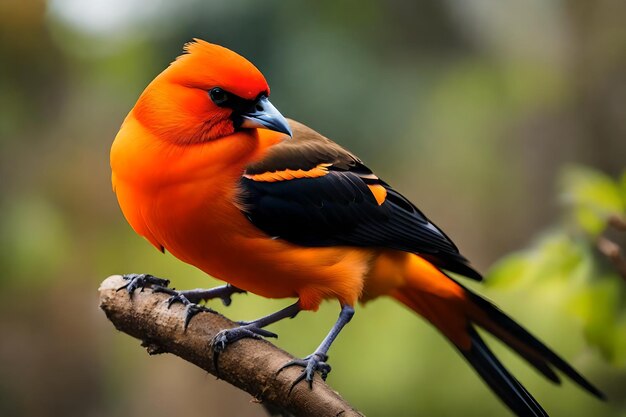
612	250
248	364
617	222
613	253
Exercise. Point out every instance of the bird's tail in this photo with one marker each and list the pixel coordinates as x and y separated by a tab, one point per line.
456	312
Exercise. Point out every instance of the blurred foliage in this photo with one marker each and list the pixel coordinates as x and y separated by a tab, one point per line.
592	198
469	107
566	261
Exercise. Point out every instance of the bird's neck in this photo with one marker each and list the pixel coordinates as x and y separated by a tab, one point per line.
140	157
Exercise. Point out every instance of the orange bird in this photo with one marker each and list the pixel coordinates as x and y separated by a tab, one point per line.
205	167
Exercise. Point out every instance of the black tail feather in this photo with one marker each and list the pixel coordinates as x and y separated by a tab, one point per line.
503	384
458	265
529	347
543	367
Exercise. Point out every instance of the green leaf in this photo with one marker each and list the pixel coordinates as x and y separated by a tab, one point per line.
558	257
619	342
592	196
510	270
567	268
555	256
599	307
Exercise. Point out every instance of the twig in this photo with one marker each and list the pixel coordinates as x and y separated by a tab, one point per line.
614	254
248	364
617	222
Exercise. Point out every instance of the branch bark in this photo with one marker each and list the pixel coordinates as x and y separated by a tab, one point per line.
610	249
613	253
248	364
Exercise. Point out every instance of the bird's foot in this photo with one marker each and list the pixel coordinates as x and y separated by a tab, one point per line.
228	336
187	298
141	281
248	331
315	362
225	292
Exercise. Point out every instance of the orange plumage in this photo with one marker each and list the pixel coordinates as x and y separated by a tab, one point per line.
203	168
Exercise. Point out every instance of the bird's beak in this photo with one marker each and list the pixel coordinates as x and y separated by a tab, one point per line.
264	115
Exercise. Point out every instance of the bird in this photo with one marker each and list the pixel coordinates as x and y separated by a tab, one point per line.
205	167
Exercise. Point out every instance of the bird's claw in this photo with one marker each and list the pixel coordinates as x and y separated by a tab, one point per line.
191	308
226	300
228	336
140	281
315	362
175	296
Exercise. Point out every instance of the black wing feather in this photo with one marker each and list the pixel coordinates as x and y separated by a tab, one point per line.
339	209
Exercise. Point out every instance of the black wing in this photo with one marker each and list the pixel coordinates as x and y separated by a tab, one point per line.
332	199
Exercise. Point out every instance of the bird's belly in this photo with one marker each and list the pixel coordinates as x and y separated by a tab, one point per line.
216	237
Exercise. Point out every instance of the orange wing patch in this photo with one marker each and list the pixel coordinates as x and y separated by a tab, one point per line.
290	174
380	194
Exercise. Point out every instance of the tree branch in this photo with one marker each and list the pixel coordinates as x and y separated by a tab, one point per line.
610	249
617	222
613	253
248	364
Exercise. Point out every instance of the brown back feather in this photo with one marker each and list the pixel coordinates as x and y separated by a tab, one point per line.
305	150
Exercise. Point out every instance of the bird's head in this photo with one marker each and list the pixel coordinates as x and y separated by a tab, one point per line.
207	93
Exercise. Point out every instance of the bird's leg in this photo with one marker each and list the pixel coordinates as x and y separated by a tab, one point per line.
191	298
316	362
141	281
251	329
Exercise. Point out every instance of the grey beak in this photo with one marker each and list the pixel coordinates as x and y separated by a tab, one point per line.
265	116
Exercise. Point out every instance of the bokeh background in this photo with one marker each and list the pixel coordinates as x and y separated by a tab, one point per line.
476	110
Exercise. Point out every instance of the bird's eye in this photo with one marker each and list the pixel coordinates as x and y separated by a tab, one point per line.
218	96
